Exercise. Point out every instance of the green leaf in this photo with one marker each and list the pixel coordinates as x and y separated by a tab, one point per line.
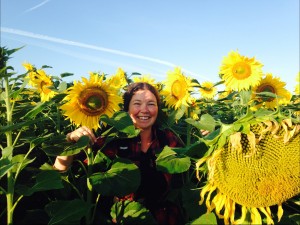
57	145
5	166
20	161
206	122
130	212
62	86
170	162
196	150
36	110
208	218
7	152
121	121
66	74
180	112
21	125
245	97
67	212
121	179
11	51
46	66
45	180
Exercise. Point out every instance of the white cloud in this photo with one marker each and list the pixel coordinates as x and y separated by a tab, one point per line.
37	6
93	47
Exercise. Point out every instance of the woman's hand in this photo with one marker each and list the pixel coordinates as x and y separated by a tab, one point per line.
78	133
62	163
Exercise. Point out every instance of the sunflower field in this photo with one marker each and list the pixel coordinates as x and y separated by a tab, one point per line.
245	171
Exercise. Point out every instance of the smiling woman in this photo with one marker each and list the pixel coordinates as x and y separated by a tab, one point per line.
141	101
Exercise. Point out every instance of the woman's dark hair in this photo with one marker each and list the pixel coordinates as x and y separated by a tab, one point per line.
134	87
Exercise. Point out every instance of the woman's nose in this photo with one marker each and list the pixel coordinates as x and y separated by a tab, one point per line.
144	108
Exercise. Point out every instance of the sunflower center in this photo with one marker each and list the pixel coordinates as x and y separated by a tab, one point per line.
177	89
241	70
93	101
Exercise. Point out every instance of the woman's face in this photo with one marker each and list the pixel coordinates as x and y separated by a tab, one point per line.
143	109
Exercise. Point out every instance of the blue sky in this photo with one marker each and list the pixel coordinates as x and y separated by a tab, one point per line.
152	36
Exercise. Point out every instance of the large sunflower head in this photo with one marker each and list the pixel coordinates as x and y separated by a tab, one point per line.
207	90
254	170
177	89
240	72
118	80
272	85
89	99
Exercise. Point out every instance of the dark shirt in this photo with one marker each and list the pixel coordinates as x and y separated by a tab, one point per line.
154	184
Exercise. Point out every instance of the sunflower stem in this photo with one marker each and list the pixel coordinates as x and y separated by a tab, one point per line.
188	130
89	185
10	178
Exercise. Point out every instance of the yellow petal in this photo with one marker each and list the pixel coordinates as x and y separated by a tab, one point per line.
267	214
203	192
279	212
255	216
243	216
227	210
231	214
235	140
219	202
207	202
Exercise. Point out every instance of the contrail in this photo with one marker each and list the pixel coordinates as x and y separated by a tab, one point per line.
37	6
83	45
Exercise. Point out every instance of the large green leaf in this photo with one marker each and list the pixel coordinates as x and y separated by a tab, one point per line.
67	212
45	180
170	162
130	212
121	179
206	122
57	145
121	121
207	218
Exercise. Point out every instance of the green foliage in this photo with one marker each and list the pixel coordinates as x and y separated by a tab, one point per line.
169	161
67	212
121	179
128	212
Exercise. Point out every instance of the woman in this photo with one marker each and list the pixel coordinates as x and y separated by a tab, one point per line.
141	101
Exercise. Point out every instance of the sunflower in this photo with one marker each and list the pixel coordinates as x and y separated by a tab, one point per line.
40	80
177	89
194	110
146	78
273	85
88	100
254	170
240	72
208	90
118	80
